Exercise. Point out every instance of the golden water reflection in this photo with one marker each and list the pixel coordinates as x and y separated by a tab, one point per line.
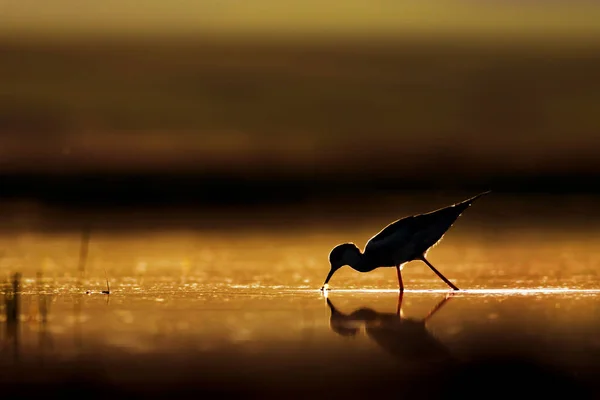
239	312
213	341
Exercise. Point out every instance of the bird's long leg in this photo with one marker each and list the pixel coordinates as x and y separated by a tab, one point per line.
437	307
439	274
399	306
400	283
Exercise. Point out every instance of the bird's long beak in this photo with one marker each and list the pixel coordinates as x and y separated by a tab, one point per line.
329	275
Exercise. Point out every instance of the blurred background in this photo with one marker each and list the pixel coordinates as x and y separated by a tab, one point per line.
264	102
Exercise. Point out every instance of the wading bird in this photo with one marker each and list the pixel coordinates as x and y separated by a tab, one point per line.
404	240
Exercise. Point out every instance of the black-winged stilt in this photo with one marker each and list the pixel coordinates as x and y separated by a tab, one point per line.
404	240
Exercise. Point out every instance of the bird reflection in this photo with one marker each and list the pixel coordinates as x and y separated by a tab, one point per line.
406	339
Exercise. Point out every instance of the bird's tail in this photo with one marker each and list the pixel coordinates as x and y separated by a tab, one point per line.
468	202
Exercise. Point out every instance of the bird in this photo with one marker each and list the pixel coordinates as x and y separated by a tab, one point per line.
407	239
406	339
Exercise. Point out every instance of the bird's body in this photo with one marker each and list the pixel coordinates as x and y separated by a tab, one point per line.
404	240
411	237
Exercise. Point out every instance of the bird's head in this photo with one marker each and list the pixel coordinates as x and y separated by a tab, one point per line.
342	254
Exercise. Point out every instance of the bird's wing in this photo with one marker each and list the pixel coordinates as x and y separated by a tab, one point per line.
412	236
391	240
432	226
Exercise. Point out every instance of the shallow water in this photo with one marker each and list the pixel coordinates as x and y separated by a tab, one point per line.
261	342
219	311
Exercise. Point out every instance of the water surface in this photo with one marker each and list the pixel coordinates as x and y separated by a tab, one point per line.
221	311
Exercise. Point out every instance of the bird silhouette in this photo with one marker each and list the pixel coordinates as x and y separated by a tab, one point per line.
404	240
406	339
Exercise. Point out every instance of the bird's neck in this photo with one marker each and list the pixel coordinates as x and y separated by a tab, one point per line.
361	263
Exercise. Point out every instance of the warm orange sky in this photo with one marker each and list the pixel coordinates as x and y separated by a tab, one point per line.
558	19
